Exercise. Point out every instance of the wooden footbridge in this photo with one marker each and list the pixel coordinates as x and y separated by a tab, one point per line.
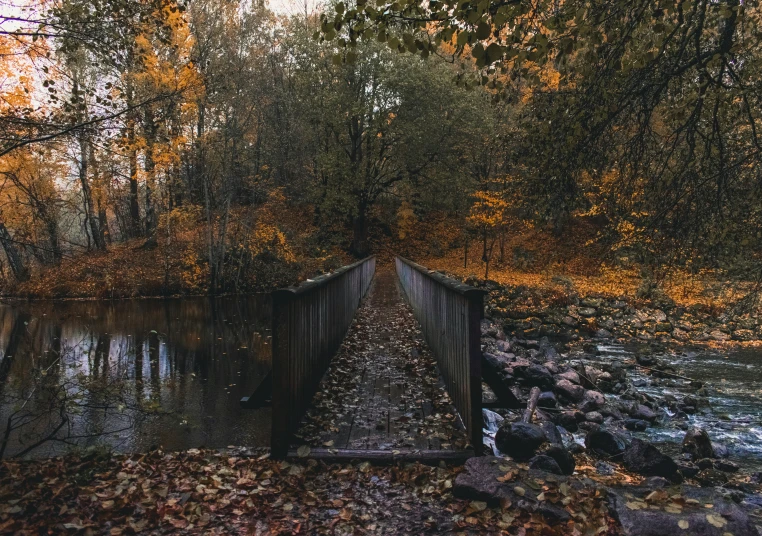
400	379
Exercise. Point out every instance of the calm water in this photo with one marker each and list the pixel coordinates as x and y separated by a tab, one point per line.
187	361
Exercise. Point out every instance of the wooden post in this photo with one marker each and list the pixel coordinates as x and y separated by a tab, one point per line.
475	312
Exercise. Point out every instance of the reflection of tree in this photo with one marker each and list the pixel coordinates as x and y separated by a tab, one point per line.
17	333
83	366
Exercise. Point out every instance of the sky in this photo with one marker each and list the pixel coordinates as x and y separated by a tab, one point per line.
292	7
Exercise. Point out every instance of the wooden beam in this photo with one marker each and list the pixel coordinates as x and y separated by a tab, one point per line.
428	457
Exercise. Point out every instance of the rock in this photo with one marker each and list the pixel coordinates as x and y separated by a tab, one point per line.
718	335
705	463
552	435
720	450
643	413
602	334
587	312
545	463
538	376
711	478
567	419
604	469
656	482
636	425
645	459
726	466
605	443
725	517
592	400
563	458
697	443
570	375
519	440
594	416
645	360
551	366
547	400
479	481
688	470
570	391
504	346
610	410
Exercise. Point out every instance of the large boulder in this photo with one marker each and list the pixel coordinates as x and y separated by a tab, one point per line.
645	459
482	479
519	440
698	444
570	391
605	443
641	512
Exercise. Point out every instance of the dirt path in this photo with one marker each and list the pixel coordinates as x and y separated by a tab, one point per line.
382	390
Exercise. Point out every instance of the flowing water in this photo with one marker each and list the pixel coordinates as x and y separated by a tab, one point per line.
133	374
733	379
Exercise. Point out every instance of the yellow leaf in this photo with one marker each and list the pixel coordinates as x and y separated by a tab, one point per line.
716	521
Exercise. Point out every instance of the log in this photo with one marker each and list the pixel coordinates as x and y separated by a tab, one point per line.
534	396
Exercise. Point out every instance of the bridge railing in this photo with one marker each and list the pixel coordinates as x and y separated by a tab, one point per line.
309	323
450	313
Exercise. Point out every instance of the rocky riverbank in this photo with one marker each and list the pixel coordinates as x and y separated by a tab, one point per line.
532	313
591	408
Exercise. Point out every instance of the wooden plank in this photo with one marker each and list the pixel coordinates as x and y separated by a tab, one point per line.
378	436
430	457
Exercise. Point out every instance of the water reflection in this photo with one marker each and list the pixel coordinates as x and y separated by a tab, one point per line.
189	359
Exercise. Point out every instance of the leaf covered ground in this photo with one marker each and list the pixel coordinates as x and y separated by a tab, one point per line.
213	492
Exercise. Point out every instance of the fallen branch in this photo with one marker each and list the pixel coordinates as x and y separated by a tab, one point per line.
667	373
534	396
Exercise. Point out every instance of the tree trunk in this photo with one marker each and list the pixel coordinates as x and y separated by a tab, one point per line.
150	170
15	261
465	252
134	223
87	194
51	226
360	246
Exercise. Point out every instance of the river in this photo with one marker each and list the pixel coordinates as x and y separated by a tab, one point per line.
733	380
134	374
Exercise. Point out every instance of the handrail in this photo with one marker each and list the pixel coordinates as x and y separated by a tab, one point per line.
450	313
452	284
309	323
322	279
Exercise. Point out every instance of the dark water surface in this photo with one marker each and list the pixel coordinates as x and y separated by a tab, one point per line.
188	360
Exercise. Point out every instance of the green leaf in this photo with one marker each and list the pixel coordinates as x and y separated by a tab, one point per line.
483	31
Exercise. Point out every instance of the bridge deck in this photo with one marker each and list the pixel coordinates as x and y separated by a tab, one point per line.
382	391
